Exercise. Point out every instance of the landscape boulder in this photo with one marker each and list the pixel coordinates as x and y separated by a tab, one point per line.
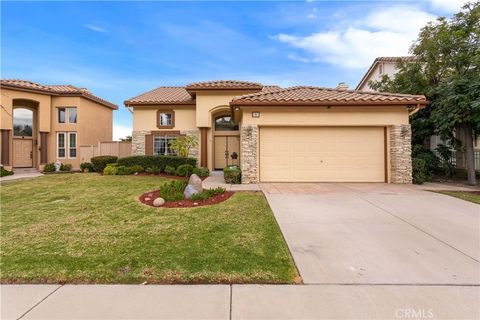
158	202
194	186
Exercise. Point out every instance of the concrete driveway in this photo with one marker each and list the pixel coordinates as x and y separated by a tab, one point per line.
378	234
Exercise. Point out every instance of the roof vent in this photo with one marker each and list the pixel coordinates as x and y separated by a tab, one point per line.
342	86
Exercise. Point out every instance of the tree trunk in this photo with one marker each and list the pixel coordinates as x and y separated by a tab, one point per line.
472	180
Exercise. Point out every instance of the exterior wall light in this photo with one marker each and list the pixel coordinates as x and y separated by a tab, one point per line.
255	114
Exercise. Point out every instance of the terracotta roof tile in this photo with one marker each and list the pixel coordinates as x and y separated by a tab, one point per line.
224	85
303	95
163	95
55	90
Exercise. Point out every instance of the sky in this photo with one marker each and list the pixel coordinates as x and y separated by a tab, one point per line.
120	49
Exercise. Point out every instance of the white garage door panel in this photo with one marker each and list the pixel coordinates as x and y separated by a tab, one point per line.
322	154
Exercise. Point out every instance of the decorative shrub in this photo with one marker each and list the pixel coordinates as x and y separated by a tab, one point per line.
201	172
420	171
123	171
207	193
86	166
99	163
110	169
4	172
153	170
170	170
157	161
184	170
173	190
66	167
232	174
49	167
136	168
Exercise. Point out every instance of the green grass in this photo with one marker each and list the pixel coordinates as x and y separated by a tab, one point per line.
467	196
87	228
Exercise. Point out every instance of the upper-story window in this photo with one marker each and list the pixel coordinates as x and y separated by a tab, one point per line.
380	68
69	113
224	123
22	122
165	119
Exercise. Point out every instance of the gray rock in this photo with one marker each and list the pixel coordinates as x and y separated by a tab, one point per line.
189	191
196	182
158	202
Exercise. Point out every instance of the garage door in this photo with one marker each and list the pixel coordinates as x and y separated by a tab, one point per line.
322	154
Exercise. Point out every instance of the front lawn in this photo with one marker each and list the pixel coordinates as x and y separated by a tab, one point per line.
472	196
88	228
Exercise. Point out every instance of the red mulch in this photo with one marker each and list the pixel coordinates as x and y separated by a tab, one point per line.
164	175
187	203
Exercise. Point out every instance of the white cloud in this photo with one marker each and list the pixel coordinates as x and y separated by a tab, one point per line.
296	57
95	28
121	131
448	6
384	32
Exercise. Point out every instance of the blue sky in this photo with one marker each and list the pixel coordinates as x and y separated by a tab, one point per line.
121	49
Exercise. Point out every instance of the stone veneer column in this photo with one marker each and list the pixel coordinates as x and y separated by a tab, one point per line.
196	133
248	153
138	142
401	154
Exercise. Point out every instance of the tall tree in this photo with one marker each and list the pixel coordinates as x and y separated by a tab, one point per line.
446	70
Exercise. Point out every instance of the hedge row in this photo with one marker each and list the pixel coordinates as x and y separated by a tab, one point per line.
156	161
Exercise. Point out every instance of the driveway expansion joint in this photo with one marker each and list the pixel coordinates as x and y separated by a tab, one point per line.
39	302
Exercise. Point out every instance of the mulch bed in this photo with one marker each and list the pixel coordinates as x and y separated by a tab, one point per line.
187	203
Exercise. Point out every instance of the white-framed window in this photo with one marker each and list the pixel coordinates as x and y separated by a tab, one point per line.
67	145
67	115
61	145
72	145
161	145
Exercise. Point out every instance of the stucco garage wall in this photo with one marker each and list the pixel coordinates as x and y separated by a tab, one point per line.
398	145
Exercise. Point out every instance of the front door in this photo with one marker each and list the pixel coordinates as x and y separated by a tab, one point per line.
22	153
225	147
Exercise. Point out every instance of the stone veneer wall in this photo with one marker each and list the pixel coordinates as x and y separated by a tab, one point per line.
138	142
248	153
401	154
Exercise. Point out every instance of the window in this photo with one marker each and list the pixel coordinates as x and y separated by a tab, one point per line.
22	122
61	115
72	115
61	143
165	119
161	145
224	123
380	68
66	141
72	145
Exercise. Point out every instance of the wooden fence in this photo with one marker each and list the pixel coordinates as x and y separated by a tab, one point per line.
106	148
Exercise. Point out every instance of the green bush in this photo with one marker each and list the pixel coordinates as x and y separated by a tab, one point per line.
153	170
446	164
420	171
232	174
49	167
86	166
201	172
110	169
157	161
4	172
173	190
207	193
99	163
184	170
123	171
170	170
66	167
136	168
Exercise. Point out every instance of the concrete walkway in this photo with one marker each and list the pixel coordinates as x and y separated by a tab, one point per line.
238	302
20	174
216	180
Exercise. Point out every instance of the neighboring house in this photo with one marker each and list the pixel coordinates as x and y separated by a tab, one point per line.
296	134
43	123
387	66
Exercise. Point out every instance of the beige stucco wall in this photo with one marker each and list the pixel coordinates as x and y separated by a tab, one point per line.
389	69
346	116
145	118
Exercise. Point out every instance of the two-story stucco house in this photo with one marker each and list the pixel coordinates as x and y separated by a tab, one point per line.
46	123
295	134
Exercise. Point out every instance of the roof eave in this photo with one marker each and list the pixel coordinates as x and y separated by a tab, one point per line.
20	88
128	103
420	104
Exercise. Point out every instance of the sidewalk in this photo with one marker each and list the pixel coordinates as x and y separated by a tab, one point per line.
216	180
342	301
22	174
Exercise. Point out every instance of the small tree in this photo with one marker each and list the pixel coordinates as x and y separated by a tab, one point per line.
127	138
183	145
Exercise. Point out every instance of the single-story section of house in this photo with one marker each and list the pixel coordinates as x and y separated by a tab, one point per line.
295	134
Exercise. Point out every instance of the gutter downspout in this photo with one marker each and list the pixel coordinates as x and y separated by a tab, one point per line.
417	108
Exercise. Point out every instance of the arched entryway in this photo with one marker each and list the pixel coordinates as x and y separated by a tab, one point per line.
226	140
24	133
